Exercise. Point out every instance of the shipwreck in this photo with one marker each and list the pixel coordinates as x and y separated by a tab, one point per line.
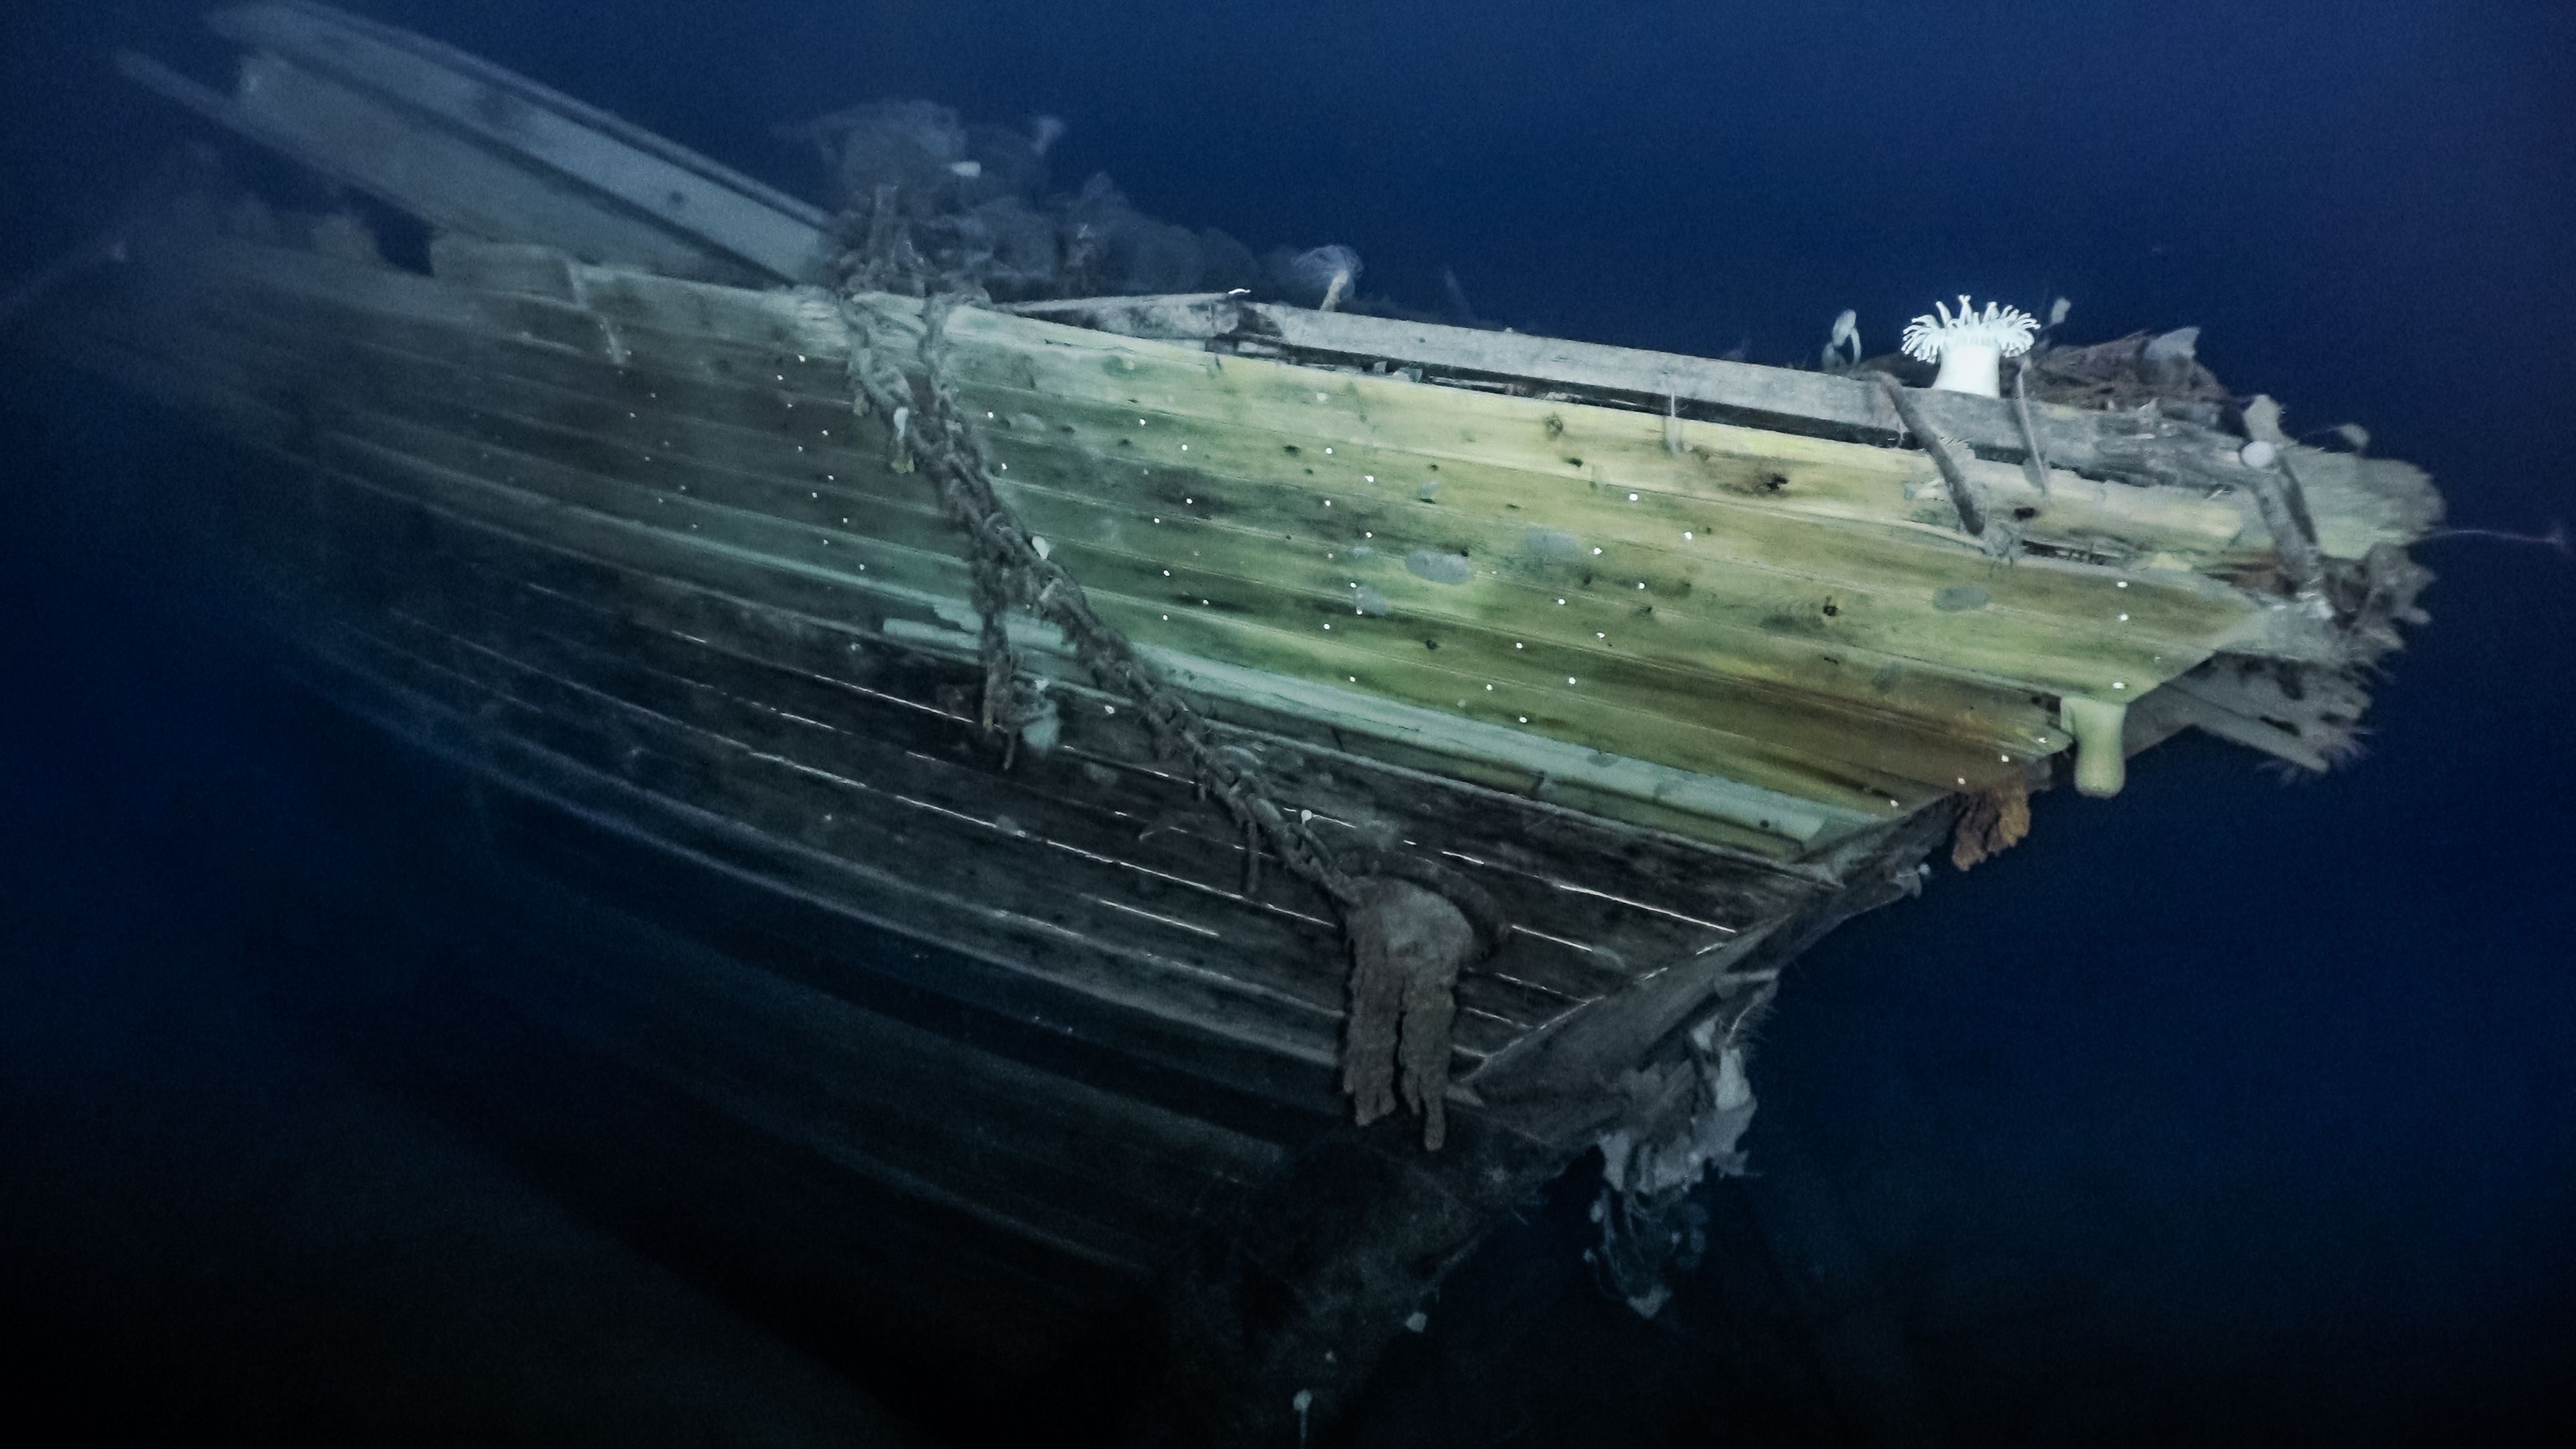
1354	766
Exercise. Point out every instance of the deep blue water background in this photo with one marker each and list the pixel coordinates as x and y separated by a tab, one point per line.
2246	1105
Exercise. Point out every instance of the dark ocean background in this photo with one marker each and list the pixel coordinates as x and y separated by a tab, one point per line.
2229	1111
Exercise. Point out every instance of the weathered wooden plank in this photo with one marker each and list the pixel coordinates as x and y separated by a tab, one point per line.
1067	946
832	657
2152	463
772	322
933	758
1361	413
1860	798
513	268
1259	969
1743	535
818	661
1764	397
2139	636
1549	1081
684	329
1117	579
418	167
1172	317
1276	957
916	798
1553	1082
334	304
1607	784
1966	766
2043	600
760	535
1700	389
799	338
542	129
829	672
1621	790
1231	622
1555	573
1732	748
941	974
2360	502
1165	827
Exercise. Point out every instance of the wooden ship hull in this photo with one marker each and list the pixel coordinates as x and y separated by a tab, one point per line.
1678	662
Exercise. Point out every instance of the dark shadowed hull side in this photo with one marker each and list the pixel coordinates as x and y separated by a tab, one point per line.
1099	1099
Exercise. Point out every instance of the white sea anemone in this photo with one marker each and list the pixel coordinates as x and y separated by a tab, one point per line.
1970	347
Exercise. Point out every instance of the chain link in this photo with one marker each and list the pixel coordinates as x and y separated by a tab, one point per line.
1010	572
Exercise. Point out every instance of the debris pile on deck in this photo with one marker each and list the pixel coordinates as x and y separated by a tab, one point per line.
930	204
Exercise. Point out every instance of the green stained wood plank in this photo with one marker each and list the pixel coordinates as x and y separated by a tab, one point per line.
1116	370
882	588
1744	538
1710	754
1009	876
1284	925
827	674
1618	789
1824	479
1522	838
1703	603
909	548
680	328
2166	526
1276	962
2045	635
1886	707
600	452
691	328
670	324
1515	715
1493	844
940	759
1116	573
636	449
1629	791
482	477
1863	559
1142	986
2159	532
